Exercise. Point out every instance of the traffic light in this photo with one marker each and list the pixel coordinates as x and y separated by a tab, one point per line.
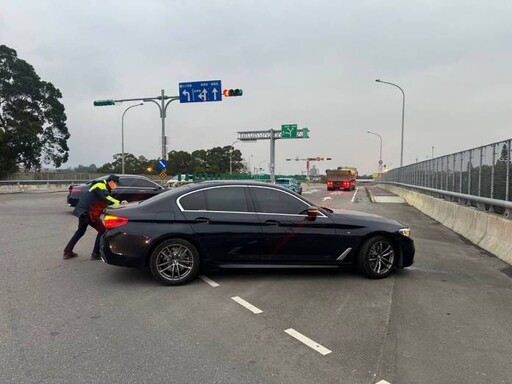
232	92
102	103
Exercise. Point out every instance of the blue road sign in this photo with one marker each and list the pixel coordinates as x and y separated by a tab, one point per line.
200	91
161	164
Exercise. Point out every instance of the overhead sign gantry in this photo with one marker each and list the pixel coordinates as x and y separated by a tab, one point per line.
288	131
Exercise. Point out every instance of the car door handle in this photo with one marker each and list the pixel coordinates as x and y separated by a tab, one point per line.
202	220
272	222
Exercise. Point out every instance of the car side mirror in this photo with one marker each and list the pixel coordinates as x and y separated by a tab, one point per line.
312	213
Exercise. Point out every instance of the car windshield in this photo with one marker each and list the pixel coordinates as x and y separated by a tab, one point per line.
282	181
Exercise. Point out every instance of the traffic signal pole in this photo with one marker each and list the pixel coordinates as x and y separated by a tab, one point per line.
162	106
163	115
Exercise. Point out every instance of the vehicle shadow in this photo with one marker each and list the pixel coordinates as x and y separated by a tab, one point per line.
143	277
283	273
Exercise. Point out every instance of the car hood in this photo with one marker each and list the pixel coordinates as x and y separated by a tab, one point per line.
342	216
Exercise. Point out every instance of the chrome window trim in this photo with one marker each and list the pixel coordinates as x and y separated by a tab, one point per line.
178	203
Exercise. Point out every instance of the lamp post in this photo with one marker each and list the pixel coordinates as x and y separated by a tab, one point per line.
380	152
403	112
231	157
122	135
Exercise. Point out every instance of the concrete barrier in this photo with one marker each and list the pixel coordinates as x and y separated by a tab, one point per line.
40	187
489	231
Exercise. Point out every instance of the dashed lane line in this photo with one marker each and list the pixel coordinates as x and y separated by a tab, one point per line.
247	305
209	281
306	340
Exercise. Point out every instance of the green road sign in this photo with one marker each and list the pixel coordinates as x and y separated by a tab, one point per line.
289	131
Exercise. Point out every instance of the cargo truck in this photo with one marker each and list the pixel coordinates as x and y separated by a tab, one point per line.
341	178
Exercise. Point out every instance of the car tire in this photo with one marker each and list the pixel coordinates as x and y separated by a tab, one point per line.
376	258
174	262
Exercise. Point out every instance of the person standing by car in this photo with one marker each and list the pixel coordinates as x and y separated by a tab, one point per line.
89	210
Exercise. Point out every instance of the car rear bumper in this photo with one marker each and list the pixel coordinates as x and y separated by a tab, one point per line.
119	258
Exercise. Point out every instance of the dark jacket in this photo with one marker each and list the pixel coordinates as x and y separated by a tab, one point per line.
94	201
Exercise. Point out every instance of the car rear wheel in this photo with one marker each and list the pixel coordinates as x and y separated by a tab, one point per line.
174	262
376	257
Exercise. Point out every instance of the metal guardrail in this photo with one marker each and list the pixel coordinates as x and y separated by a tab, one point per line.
482	203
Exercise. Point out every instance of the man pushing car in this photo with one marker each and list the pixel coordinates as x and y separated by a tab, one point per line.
89	210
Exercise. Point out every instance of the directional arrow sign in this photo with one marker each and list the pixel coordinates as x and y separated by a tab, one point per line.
161	164
289	131
200	91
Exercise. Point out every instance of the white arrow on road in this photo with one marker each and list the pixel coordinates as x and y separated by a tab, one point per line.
186	94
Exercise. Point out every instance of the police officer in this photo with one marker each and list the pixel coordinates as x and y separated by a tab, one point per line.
89	210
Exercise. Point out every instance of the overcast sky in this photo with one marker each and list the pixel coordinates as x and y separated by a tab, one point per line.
311	63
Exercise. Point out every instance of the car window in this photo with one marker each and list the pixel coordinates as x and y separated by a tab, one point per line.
143	183
270	200
221	199
194	201
125	181
232	199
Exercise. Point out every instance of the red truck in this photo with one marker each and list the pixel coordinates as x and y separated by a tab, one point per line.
341	178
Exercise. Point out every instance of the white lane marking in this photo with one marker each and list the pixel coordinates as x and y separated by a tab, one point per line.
383	382
355	193
327	198
247	305
306	340
209	281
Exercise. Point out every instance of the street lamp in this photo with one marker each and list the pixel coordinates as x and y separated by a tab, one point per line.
403	112
122	135
231	157
380	153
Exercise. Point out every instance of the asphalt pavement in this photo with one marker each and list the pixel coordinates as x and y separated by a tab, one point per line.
446	319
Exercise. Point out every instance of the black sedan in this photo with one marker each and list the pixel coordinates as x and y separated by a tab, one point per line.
247	224
130	188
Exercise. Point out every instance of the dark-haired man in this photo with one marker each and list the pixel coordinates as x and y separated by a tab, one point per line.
89	210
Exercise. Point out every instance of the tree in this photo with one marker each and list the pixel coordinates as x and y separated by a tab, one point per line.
132	165
32	119
180	162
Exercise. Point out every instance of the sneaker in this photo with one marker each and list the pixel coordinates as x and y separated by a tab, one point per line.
95	256
69	255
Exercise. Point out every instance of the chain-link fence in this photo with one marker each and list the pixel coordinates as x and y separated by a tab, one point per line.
484	171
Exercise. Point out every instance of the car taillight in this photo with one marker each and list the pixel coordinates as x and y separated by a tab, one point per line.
112	221
73	190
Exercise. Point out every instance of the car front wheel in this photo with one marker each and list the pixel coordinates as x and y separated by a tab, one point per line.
376	257
174	262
